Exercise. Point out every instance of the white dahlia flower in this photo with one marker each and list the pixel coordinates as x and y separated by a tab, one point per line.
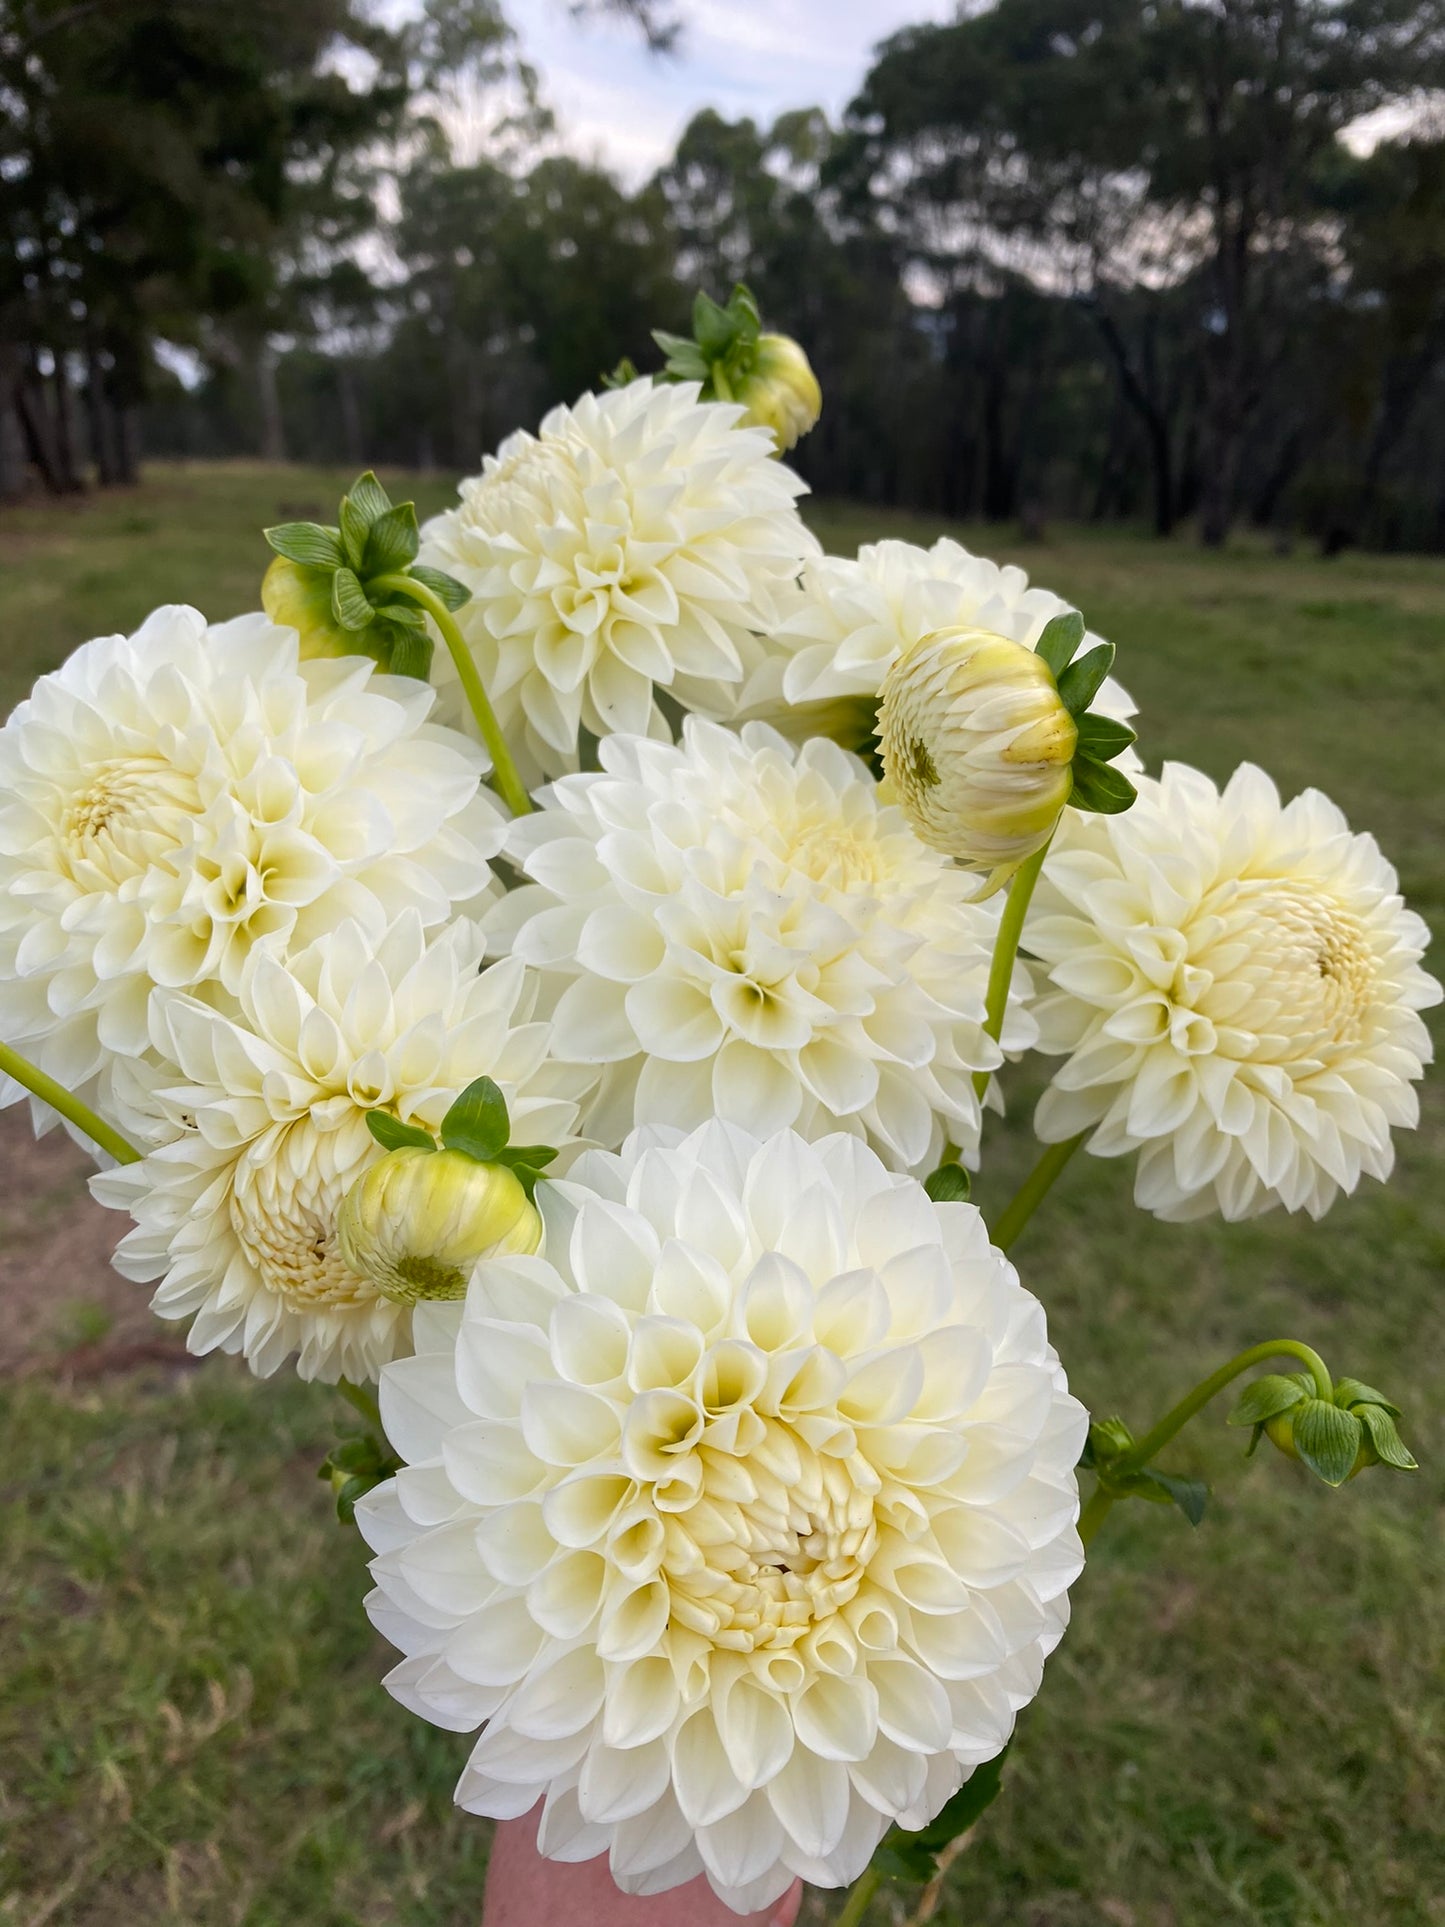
822	667
236	1213
173	799
634	543
743	1517
739	928
1237	989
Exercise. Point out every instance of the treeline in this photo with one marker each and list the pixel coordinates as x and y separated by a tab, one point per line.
1063	258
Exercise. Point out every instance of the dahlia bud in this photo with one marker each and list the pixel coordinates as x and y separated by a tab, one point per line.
780	390
418	1222
299	598
977	746
1336	1437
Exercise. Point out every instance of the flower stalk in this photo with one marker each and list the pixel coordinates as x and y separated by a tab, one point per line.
860	1895
13	1065
509	784
1006	950
1032	1192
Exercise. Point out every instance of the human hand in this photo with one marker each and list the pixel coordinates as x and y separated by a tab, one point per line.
524	1890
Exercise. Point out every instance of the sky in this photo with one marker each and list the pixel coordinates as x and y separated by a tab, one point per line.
616	102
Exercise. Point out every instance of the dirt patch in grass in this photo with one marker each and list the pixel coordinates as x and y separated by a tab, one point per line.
60	1301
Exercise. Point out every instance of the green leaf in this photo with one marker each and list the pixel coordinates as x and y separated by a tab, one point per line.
1190	1495
914	1856
1079	683
411	654
536	1155
1059	643
444	587
1327	1439
949	1184
1102	739
369	498
307	543
1390	1448
1350	1392
354	531
393	1135
1100	787
478	1124
348	601
405	615
712	326
392	541
1266	1397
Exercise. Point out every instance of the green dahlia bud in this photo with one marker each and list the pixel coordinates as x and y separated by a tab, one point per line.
299	598
1335	1437
977	747
780	390
419	1220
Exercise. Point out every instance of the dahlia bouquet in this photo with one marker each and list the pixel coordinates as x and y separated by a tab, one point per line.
547	976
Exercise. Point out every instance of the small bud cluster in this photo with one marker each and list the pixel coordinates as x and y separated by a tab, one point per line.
1335	1437
734	360
343	589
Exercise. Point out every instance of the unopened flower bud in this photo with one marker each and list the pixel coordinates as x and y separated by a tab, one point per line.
297	597
418	1221
780	390
1335	1437
977	747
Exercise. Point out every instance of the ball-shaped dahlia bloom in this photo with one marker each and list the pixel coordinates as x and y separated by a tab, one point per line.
263	1116
820	670
736	927
743	1515
172	800
1236	989
633	544
977	746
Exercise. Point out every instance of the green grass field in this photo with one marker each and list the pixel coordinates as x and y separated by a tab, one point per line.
1246	1723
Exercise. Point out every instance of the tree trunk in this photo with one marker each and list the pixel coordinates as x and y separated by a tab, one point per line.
352	438
268	398
65	425
39	431
99	420
1158	429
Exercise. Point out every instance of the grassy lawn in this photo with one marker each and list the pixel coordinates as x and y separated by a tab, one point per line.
1246	1724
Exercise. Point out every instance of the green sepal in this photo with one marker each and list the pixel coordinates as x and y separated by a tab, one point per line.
354	530
1326	1439
477	1124
406	615
623	375
1102	739
1190	1495
1100	787
1080	682
411	655
1351	1392
392	540
393	1135
914	1856
308	543
369	498
949	1184
1059	643
355	1466
1269	1396
527	1164
444	587
348	601
1384	1436
685	360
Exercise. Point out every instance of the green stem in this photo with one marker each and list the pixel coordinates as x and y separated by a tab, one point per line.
12	1064
1005	950
1031	1193
365	1401
862	1891
1101	1502
504	769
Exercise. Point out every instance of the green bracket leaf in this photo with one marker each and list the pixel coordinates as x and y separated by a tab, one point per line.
949	1184
1059	643
348	601
392	541
1102	739
445	587
1384	1436
477	1123
393	1135
1080	682
307	543
1270	1395
1327	1439
369	498
1100	787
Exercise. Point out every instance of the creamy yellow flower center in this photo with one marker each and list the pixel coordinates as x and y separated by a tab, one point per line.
758	1561
131	811
287	1229
1291	966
